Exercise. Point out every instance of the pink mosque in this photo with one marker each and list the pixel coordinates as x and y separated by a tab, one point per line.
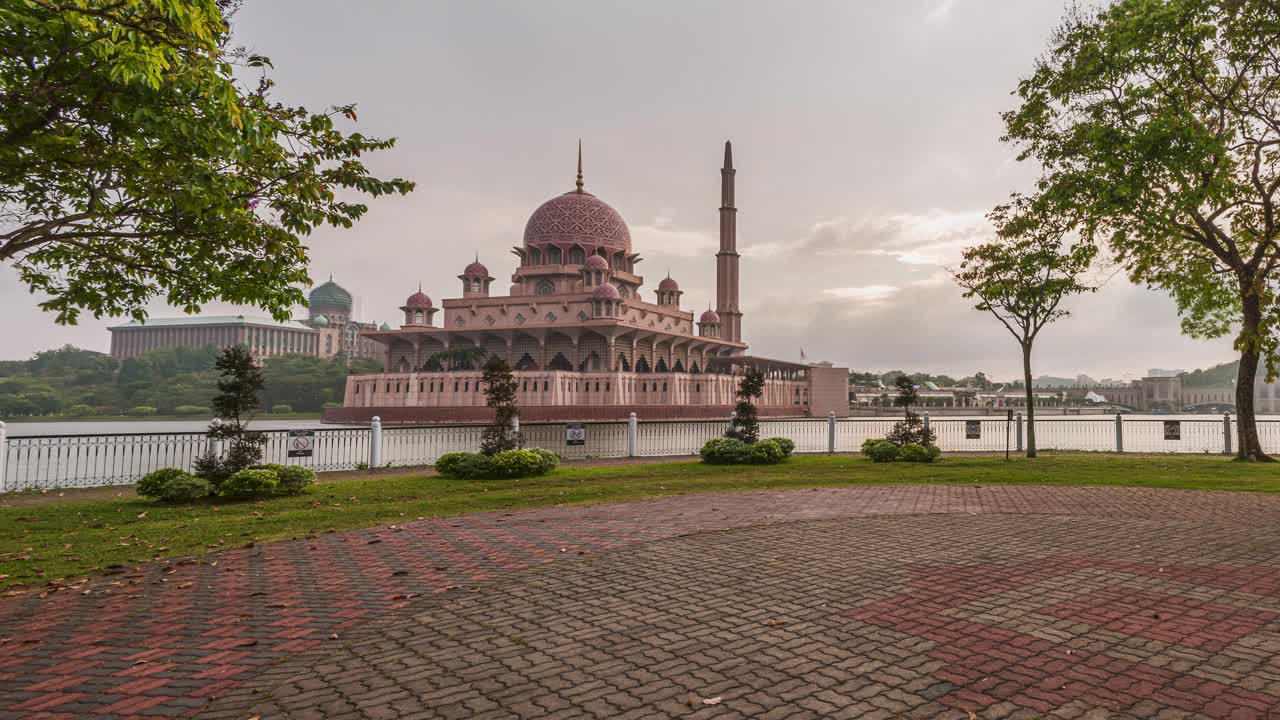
582	341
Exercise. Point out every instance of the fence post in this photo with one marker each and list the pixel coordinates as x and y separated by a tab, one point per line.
375	442
631	435
1018	435
4	457
1119	433
1226	437
831	432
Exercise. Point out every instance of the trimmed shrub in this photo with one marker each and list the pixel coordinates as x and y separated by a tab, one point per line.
281	409
523	463
550	460
248	484
464	465
293	479
787	444
725	451
914	452
190	410
935	452
141	410
185	489
767	452
152	484
869	444
331	404
883	452
81	410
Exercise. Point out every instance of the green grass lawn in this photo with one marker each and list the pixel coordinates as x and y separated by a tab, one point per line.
61	539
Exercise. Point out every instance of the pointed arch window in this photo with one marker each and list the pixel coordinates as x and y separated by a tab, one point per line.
545	287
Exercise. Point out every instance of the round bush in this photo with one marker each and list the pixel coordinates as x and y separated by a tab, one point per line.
81	410
185	489
935	452
914	452
869	444
141	410
248	484
332	404
883	452
190	410
550	460
152	484
281	409
787	444
464	465
725	451
519	463
767	452
293	479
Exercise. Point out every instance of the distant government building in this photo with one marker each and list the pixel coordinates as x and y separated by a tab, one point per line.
583	342
328	331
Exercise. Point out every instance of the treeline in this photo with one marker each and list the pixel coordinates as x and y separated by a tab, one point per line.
74	382
977	380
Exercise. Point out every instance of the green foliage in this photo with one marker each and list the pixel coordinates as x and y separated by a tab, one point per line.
141	411
732	451
185	488
869	444
152	484
787	444
500	395
1153	123
290	479
281	409
249	484
82	410
516	463
883	452
913	452
135	163
1221	375
767	452
745	423
190	410
238	396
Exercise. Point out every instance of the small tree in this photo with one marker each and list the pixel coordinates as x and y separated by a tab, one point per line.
1021	278
500	394
745	424
234	406
911	430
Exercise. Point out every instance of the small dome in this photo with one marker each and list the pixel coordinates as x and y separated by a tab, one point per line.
330	295
320	321
709	316
384	326
595	262
418	300
668	285
606	292
477	270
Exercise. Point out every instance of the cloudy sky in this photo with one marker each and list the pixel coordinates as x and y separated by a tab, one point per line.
865	132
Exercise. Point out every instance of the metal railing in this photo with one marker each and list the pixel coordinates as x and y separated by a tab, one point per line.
63	461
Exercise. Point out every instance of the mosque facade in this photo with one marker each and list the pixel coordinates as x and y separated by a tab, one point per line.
583	339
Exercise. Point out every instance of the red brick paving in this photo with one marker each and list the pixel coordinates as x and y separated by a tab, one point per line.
944	634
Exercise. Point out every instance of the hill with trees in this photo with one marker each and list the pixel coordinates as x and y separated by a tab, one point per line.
74	382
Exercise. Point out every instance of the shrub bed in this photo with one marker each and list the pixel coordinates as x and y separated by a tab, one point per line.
178	486
506	464
731	451
885	451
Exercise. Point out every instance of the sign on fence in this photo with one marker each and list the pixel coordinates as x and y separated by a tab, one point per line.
1172	429
972	429
301	443
575	434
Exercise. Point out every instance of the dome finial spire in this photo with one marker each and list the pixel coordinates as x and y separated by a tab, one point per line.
579	165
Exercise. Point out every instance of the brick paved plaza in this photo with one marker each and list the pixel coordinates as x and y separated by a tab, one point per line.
879	602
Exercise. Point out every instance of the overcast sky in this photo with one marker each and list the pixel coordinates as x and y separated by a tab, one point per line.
866	136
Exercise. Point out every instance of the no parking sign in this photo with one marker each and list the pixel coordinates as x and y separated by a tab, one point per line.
575	434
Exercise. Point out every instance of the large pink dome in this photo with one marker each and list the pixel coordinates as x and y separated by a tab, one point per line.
577	217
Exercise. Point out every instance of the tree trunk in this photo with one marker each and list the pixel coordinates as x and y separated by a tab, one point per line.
1031	400
1250	446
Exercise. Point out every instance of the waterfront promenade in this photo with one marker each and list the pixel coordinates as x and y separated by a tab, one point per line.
925	601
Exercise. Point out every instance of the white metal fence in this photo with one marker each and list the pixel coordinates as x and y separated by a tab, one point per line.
52	461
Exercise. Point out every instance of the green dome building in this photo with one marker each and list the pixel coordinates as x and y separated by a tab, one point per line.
330	299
